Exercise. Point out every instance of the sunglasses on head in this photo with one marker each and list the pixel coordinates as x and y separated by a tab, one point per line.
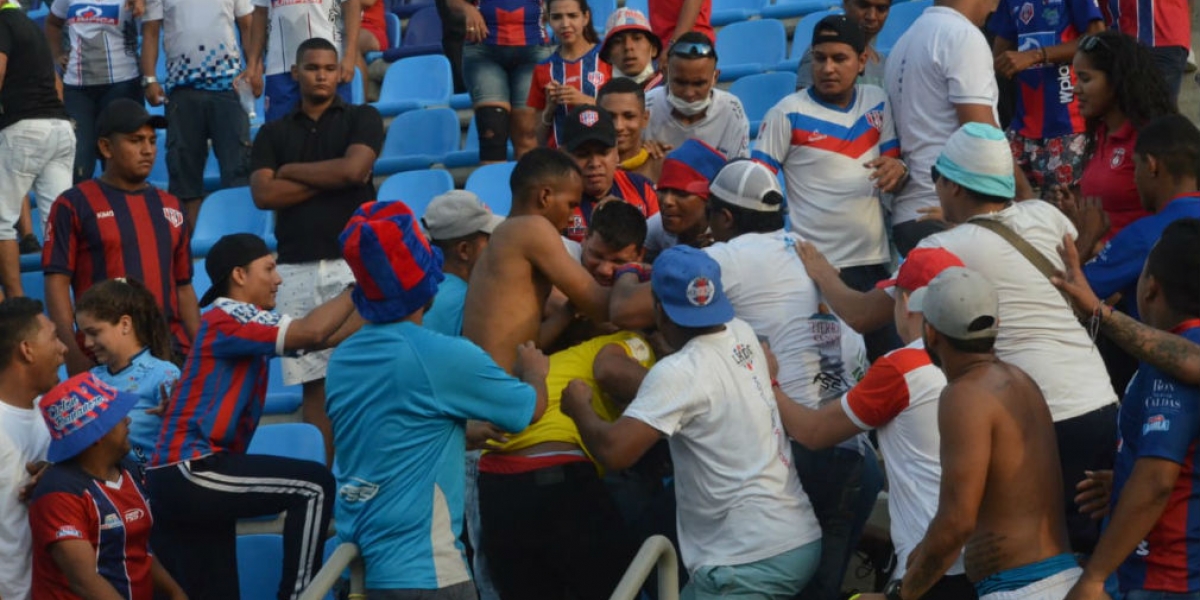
691	49
1090	42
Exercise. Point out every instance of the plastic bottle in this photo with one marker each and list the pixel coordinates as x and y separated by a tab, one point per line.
246	97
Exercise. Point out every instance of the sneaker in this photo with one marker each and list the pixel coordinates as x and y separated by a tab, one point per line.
29	244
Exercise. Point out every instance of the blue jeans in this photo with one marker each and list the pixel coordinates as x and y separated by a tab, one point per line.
776	578
842	486
1152	595
283	94
84	104
1171	62
501	73
193	118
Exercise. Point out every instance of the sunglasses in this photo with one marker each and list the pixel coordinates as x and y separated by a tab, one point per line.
692	49
1090	42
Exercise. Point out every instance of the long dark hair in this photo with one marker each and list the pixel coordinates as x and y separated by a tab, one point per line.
112	299
1139	90
589	30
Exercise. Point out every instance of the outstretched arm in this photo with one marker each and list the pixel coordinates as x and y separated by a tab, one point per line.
864	312
817	429
615	445
545	251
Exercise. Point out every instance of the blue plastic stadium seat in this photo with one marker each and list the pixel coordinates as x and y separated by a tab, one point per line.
260	565
788	9
302	441
200	279
469	155
461	101
357	94
490	183
640	6
415	82
408	8
601	9
802	39
416	188
394	35
759	93
281	399
418	139
899	19
750	47
34	283
158	172
423	35
231	210
725	12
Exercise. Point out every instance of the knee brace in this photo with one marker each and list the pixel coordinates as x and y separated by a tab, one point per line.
492	124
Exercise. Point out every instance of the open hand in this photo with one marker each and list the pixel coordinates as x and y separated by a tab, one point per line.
532	364
888	173
814	262
1095	494
481	435
657	150
476	27
1072	281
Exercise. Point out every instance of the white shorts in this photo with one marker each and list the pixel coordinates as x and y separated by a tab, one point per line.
38	155
1054	587
306	286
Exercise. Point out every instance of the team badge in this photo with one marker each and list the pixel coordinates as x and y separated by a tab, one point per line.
1026	14
174	216
1118	157
589	117
596	78
875	119
701	291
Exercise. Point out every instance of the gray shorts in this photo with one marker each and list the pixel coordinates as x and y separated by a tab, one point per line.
461	591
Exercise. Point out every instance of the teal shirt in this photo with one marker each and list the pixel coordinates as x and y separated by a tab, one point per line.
446	316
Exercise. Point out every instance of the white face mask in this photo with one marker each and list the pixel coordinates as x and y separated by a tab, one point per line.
689	109
643	76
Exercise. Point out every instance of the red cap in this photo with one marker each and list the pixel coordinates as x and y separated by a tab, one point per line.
920	267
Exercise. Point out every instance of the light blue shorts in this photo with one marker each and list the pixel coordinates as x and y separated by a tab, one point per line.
779	577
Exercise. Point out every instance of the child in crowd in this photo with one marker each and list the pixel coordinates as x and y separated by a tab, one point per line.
127	334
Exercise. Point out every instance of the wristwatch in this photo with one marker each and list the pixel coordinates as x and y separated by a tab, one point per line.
892	590
149	80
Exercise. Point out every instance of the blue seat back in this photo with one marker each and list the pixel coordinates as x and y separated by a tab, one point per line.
260	565
759	93
802	36
424	28
226	211
432	131
421	78
416	188
490	183
200	279
301	441
393	30
601	9
34	283
900	18
763	41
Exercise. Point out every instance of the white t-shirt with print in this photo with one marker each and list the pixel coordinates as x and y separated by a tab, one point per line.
200	40
724	127
942	60
740	500
23	439
1038	331
291	22
104	41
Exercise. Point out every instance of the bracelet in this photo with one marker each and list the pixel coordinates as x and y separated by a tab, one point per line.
1096	318
1045	57
642	271
775	384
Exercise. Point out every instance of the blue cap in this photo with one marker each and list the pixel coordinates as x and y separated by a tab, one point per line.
978	157
687	282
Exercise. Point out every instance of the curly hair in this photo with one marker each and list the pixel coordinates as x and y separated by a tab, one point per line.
112	299
589	30
1139	90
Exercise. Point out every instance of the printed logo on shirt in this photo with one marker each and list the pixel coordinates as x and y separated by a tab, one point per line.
278	3
101	14
638	349
1051	16
1118	157
1159	386
359	490
175	217
1026	14
743	356
1143	548
134	515
105	214
1156	423
112	521
67	531
875	119
596	78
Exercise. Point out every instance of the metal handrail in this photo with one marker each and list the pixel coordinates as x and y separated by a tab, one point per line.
656	551
346	556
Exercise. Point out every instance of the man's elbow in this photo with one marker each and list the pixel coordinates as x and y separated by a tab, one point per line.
614	458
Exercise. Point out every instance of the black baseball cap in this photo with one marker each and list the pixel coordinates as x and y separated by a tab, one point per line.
588	123
230	252
839	28
126	116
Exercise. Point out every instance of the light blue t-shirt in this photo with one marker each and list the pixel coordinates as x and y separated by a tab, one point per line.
446	316
398	396
144	376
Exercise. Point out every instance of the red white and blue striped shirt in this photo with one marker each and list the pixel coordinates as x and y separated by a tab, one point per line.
630	187
513	22
219	397
588	74
1155	23
97	232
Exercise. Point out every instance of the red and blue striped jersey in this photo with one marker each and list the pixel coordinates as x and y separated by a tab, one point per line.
1160	418
1154	23
513	22
219	397
1046	105
114	517
97	232
630	187
588	74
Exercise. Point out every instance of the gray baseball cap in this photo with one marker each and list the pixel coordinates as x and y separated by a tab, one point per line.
456	214
747	184
959	303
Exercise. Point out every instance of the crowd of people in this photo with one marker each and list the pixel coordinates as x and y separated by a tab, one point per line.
734	341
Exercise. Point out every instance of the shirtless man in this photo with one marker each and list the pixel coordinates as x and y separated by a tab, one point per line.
1000	472
526	258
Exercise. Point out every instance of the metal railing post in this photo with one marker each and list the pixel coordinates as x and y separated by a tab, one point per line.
656	552
346	556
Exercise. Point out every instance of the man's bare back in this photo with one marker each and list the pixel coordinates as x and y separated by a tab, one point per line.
995	408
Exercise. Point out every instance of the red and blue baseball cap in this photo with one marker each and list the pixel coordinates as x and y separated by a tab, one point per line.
687	282
80	411
691	168
397	271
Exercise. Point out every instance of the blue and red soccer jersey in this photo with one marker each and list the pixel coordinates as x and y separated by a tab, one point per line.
588	74
114	517
1160	418
1046	102
1155	23
513	22
630	187
219	397
97	232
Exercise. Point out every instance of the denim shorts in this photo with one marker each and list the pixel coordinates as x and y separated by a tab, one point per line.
501	73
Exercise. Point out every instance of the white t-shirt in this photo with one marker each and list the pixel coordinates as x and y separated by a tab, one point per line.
1038	331
293	21
200	40
822	149
104	41
899	396
740	500
657	238
23	439
724	127
942	60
